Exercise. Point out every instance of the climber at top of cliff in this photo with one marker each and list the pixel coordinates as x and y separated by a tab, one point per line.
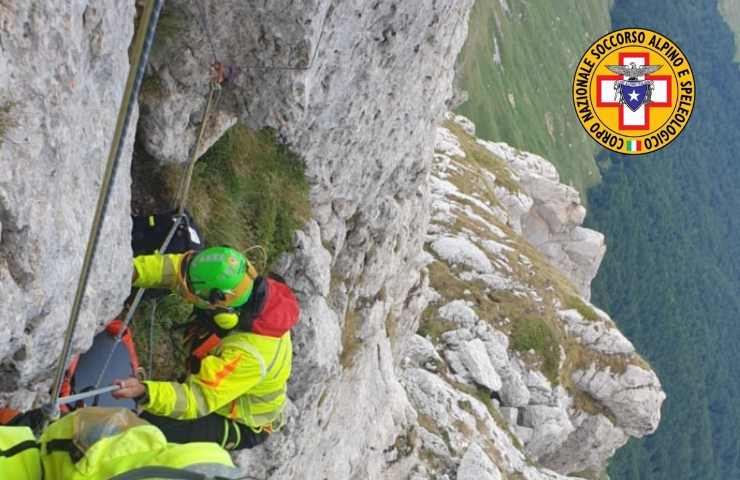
240	349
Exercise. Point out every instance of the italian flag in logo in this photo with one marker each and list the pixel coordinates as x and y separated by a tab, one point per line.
633	146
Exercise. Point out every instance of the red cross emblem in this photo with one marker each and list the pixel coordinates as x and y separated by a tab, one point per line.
639	119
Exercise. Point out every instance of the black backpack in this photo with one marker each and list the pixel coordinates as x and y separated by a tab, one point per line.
149	232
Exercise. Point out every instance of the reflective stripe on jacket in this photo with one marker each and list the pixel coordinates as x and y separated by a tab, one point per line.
245	381
246	376
19	454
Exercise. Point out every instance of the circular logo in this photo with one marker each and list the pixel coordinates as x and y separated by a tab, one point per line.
633	91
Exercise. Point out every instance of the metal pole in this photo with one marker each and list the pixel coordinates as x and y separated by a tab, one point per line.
84	395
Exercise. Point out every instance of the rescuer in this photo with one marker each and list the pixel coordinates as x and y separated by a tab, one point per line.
240	350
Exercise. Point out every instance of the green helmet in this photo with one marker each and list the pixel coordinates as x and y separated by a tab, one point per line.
221	274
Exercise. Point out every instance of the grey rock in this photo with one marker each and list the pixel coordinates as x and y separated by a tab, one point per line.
359	102
63	69
510	414
514	392
540	388
465	123
475	358
420	352
551	427
552	220
454	361
543	417
633	397
367	150
435	445
477	465
457	338
589	447
524	434
460	312
308	270
463	252
600	336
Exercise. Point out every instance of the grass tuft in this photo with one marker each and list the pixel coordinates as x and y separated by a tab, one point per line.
432	326
536	334
169	355
586	311
350	342
480	156
7	121
249	190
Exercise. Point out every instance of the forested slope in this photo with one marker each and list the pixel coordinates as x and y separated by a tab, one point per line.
671	276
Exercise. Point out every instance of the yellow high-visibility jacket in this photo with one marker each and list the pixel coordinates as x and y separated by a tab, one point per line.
95	443
245	377
19	454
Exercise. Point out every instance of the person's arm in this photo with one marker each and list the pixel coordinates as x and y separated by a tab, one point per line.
157	271
220	380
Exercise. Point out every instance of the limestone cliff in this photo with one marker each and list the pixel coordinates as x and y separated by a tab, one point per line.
476	247
63	70
511	363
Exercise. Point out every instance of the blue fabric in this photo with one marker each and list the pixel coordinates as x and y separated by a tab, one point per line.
90	363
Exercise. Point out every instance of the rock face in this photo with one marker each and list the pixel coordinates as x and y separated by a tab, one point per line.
552	220
510	364
357	91
570	414
63	71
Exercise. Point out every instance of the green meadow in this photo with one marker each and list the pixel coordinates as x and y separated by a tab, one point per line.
517	67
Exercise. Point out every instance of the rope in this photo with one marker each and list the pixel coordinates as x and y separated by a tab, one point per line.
263	251
181	199
141	48
142	45
150	362
184	189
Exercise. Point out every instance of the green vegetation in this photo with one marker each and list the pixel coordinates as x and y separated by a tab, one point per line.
672	274
246	191
171	22
531	324
151	87
249	190
536	334
588	313
478	156
168	355
350	342
6	119
591	475
517	66
433	326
